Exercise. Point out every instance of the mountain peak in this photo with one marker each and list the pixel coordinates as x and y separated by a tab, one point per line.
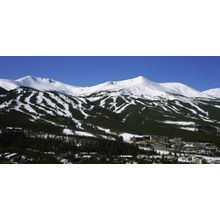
31	78
140	79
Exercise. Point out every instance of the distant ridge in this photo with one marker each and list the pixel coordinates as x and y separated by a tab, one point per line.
139	86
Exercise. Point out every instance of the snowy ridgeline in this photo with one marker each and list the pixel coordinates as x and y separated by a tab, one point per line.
138	86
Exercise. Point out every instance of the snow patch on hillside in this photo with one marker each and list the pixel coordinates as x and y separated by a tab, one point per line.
83	133
184	123
67	131
127	136
189	129
108	131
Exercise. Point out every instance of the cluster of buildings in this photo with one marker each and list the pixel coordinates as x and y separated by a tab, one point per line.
177	150
163	141
192	160
147	140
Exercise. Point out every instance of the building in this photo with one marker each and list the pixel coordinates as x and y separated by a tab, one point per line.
145	140
159	139
150	139
198	160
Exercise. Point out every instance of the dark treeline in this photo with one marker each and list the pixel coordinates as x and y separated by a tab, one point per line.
38	147
107	147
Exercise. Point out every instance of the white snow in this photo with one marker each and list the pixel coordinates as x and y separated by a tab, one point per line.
127	136
65	161
83	133
27	100
163	152
184	123
8	156
123	108
5	104
180	105
29	108
102	103
211	159
108	131
67	131
39	98
15	128
8	84
64	104
213	92
189	129
108	137
46	84
184	90
125	118
138	87
198	108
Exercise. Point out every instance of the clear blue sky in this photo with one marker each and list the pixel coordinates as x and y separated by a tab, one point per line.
198	72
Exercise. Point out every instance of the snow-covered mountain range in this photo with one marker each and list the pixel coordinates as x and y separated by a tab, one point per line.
110	109
139	86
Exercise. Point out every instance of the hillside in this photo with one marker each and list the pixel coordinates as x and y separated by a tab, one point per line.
136	106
